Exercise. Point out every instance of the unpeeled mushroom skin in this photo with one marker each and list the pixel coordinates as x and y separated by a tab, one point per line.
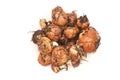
71	32
45	45
75	56
59	55
83	22
72	18
37	35
44	59
53	32
89	40
59	17
59	58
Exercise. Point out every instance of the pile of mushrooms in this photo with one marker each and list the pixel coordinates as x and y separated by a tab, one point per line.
65	40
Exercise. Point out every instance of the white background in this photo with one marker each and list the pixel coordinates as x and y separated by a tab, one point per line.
18	55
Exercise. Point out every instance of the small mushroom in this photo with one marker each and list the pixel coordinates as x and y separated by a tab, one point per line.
37	35
45	45
43	23
53	32
71	32
59	56
72	18
74	56
44	59
89	40
59	59
59	17
83	22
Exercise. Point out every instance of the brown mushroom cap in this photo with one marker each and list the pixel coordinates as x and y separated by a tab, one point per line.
89	40
45	45
71	32
59	56
53	32
72	18
83	22
59	17
37	35
44	59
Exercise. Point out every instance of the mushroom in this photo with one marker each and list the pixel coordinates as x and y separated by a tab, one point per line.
59	58
83	22
89	40
53	32
59	17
